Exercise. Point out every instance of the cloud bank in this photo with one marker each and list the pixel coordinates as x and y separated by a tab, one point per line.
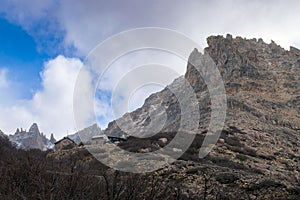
51	107
84	24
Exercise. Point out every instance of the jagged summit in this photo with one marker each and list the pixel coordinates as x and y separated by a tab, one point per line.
262	75
52	139
34	129
33	139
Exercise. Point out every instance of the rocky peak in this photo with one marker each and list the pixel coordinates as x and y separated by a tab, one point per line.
260	78
33	139
34	129
52	139
243	58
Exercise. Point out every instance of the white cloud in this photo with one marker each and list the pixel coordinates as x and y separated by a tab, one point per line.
26	13
87	23
3	78
52	106
7	94
135	75
274	20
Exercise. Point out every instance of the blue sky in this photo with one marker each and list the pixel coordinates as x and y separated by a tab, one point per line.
43	44
18	54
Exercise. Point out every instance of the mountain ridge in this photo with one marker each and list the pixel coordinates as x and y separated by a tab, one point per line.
262	125
32	139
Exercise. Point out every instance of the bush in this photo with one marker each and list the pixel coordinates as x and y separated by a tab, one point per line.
244	150
241	157
266	183
225	162
226	177
267	157
134	144
233	141
294	190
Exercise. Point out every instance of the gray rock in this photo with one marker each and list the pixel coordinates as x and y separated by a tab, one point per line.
32	139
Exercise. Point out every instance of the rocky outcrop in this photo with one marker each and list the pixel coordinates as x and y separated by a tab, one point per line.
33	139
52	139
34	129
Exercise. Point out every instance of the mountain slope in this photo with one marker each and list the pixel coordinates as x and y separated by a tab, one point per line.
2	135
262	128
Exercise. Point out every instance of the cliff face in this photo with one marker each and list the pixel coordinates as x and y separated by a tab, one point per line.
262	88
254	70
52	139
262	126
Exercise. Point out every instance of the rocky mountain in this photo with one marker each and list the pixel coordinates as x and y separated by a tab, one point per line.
86	134
32	139
260	138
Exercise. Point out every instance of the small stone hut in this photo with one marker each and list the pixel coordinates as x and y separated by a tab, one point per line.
65	143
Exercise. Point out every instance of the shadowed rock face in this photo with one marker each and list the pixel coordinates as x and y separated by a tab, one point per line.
3	136
262	126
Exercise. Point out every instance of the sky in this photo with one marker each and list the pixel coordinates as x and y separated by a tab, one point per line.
43	45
